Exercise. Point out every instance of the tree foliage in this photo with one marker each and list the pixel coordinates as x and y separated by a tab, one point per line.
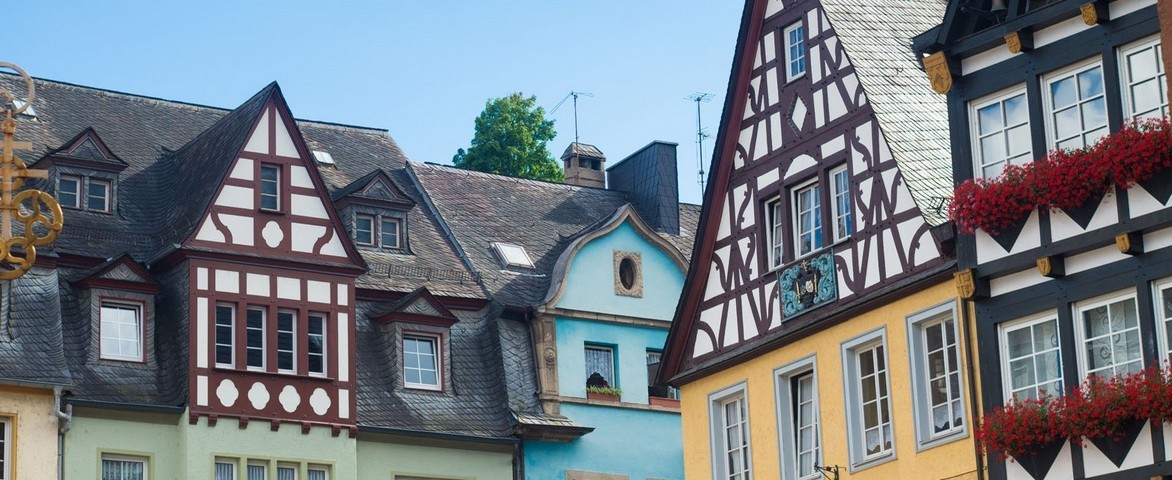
510	139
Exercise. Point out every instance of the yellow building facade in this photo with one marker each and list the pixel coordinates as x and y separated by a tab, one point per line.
955	459
29	426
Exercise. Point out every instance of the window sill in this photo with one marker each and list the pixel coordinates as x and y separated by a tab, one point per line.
629	406
874	462
134	360
230	369
942	440
424	388
275	213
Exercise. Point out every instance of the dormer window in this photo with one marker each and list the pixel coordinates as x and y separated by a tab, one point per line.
85	192
364	229
270	187
389	232
121	329
380	230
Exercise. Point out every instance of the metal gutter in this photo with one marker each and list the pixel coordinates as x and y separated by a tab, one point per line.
136	407
440	436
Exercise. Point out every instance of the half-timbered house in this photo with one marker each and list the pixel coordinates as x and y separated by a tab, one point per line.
818	330
1061	294
244	295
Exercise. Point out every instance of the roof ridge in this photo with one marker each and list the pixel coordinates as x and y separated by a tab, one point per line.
497	176
192	105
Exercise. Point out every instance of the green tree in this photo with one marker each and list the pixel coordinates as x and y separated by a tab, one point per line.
510	140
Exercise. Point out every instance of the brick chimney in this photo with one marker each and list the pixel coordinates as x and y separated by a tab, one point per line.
584	165
649	177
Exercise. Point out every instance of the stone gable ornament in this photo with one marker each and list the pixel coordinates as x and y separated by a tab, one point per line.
807	285
936	65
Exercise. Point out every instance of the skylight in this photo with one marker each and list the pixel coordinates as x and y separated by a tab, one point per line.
512	255
323	157
31	112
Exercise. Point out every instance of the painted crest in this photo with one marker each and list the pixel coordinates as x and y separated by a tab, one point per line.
1090	15
808	285
966	286
937	67
1013	41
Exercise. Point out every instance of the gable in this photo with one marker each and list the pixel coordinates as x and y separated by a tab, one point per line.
420	307
121	273
85	149
272	201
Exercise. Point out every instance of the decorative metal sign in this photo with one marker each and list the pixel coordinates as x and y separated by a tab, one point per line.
37	212
808	284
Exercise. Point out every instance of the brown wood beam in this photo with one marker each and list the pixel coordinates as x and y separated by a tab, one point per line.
1165	13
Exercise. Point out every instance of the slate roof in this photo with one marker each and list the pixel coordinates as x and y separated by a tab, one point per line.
542	217
31	349
877	38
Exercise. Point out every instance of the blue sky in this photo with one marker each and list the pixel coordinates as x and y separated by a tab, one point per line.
420	69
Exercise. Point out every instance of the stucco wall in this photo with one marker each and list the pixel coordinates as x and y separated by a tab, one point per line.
34	454
630	344
384	460
640	444
152	436
589	283
947	461
259	442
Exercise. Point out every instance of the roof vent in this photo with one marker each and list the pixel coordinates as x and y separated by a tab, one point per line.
323	157
512	255
18	103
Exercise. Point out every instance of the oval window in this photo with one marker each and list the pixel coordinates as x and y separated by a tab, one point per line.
627	273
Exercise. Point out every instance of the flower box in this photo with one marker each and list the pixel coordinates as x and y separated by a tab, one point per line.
664	402
606	397
1065	179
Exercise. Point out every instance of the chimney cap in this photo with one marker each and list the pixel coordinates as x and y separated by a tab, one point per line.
583	150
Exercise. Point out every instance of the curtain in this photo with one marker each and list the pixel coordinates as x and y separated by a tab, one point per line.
317	475
286	473
122	470
225	471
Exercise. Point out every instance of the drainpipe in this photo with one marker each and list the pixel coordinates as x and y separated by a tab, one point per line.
64	421
967	315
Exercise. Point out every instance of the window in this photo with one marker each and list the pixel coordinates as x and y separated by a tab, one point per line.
286	341
317	344
731	454
69	191
512	255
225	335
316	472
776	217
808	217
795	51
1001	130
5	447
1031	359
118	467
257	471
654	358
1163	311
1076	107
936	382
121	327
270	187
98	196
225	470
1109	332
389	232
255	338
868	400
421	362
364	229
840	190
600	366
798	424
286	471
1145	91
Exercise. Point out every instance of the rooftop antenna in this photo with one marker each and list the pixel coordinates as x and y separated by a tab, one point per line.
567	97
701	134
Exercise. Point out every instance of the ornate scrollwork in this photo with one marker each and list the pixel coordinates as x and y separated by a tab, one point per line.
37	212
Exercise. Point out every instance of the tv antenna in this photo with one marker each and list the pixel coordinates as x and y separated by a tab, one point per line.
567	97
701	134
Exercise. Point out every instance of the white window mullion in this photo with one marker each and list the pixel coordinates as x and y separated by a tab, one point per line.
1145	91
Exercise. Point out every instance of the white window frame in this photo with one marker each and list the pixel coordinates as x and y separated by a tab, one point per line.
325	346
294	467
6	456
835	193
1126	82
231	339
917	326
256	463
139	329
260	186
1081	333
293	334
783	389
776	216
323	469
1003	352
77	194
145	461
264	338
1048	100
611	379
1162	320
231	462
789	58
975	106
436	345
717	437
382	223
814	232
856	428
106	200
373	229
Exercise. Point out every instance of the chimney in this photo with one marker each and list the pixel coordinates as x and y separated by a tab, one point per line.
649	178
584	165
